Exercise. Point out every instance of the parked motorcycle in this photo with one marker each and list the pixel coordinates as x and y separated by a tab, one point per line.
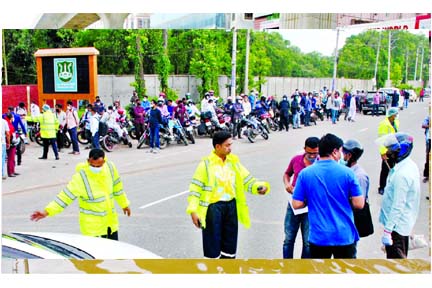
81	134
179	134
268	122
189	131
206	127
253	128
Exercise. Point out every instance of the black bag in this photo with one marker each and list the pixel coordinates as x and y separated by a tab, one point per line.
363	221
103	128
202	129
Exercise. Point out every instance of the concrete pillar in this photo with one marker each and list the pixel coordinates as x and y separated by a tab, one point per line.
113	20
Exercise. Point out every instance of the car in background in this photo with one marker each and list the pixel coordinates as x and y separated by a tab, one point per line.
427	92
389	91
44	245
366	103
412	95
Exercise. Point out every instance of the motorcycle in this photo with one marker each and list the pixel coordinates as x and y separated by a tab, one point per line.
130	127
189	131
111	139
179	134
32	128
224	119
268	122
81	134
19	138
206	127
253	128
315	115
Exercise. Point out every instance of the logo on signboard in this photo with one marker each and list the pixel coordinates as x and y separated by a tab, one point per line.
65	70
65	74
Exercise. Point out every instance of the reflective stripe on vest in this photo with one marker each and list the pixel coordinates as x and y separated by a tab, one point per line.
112	174
194	193
60	202
204	203
247	179
97	200
94	213
118	193
197	182
69	194
86	184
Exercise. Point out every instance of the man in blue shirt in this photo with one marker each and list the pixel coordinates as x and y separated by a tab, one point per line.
401	201
330	191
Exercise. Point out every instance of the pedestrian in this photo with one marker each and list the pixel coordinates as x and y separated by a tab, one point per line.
426	126
48	129
401	200
217	199
246	105
295	219
422	93
389	125
21	111
5	141
237	112
335	107
346	104
86	122
34	109
94	127
11	151
307	109
330	191
98	186
155	120
295	111
18	125
376	102
72	123
98	103
284	107
352	109
139	114
61	117
406	95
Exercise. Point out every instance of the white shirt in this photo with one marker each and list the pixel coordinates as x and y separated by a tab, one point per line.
61	118
34	109
94	123
4	129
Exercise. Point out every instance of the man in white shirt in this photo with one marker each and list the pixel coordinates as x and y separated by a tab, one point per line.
94	127
5	141
61	116
34	109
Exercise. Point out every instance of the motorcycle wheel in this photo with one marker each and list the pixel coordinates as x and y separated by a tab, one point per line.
38	139
272	124
22	147
132	134
163	143
107	144
183	139
81	138
31	135
141	141
66	142
190	136
265	135
251	135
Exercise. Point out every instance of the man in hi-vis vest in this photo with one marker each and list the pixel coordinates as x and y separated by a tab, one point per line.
96	184
217	199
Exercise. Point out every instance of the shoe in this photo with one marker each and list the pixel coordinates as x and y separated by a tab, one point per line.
19	164
76	153
88	147
44	158
16	174
71	152
381	191
57	158
240	137
4	177
425	179
11	175
155	151
150	151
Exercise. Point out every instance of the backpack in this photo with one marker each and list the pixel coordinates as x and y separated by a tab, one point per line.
103	128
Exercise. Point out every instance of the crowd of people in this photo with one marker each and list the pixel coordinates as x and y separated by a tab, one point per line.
323	209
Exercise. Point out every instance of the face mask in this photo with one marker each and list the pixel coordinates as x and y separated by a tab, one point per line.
95	169
311	160
58	110
342	162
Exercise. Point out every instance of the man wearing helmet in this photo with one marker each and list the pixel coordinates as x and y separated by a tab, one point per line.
387	126
401	200
352	151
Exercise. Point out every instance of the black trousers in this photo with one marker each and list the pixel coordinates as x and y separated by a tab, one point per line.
236	128
338	252
399	249
284	121
18	152
426	167
383	175
110	235
46	143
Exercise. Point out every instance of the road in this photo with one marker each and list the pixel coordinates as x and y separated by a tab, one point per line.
157	184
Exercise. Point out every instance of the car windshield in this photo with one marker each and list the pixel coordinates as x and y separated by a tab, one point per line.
60	248
13	253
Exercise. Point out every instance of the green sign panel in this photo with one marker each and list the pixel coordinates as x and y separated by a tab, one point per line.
65	75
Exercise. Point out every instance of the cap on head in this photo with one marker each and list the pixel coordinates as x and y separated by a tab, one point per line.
392	111
45	107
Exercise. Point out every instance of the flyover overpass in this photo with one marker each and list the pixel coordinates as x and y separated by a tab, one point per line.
80	20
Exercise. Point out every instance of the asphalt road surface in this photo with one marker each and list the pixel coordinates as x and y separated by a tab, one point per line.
157	184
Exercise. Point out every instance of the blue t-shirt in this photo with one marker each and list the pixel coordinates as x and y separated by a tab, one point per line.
327	186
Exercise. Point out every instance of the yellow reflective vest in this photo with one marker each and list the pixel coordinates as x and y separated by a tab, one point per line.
49	124
96	193
203	186
384	128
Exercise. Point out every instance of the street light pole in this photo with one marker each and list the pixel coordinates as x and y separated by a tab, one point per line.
377	58
335	61
246	80
389	57
233	62
415	70
421	64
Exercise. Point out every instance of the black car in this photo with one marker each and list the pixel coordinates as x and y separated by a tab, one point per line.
366	102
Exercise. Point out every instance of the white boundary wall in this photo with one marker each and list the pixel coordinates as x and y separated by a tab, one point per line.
112	87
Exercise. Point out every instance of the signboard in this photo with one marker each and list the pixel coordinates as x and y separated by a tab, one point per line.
65	75
419	22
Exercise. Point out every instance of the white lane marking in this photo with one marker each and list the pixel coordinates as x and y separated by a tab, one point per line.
163	199
363	130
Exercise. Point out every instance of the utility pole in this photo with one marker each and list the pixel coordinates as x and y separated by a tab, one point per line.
406	66
389	57
4	58
377	58
233	62
335	61
246	80
415	70
421	64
